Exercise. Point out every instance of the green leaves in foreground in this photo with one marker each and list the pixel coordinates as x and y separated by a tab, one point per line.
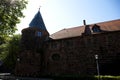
10	14
9	52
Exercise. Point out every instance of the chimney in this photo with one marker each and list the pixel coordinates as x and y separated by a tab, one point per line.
87	30
84	22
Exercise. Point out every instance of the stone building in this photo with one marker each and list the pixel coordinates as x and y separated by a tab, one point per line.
69	51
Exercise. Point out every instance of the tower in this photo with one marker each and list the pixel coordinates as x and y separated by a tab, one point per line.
34	36
29	62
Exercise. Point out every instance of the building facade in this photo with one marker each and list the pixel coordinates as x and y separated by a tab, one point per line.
69	51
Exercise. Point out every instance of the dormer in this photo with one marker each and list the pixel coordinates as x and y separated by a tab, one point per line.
96	28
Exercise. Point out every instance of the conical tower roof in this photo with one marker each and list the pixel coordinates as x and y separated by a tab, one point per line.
37	22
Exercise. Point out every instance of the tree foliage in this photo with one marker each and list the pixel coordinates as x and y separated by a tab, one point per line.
9	52
10	14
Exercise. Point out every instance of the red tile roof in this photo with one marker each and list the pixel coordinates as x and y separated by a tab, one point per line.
113	25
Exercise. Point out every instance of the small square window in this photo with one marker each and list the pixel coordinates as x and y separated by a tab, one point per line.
39	34
56	57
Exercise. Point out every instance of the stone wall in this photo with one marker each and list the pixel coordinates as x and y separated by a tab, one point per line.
71	56
77	55
29	64
30	58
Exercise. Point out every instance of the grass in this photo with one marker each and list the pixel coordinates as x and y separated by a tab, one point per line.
81	77
77	77
109	77
105	77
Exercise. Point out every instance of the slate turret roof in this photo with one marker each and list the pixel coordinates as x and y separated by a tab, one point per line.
37	22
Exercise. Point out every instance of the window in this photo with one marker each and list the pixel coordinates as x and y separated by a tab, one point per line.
39	34
69	43
96	28
54	45
55	57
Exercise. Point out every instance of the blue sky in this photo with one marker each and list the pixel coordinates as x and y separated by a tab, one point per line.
60	14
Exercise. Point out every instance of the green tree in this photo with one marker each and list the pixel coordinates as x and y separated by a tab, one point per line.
10	52
10	14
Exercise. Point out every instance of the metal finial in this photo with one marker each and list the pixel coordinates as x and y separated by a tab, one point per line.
39	8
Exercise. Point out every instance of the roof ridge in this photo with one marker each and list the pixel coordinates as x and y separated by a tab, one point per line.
77	31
